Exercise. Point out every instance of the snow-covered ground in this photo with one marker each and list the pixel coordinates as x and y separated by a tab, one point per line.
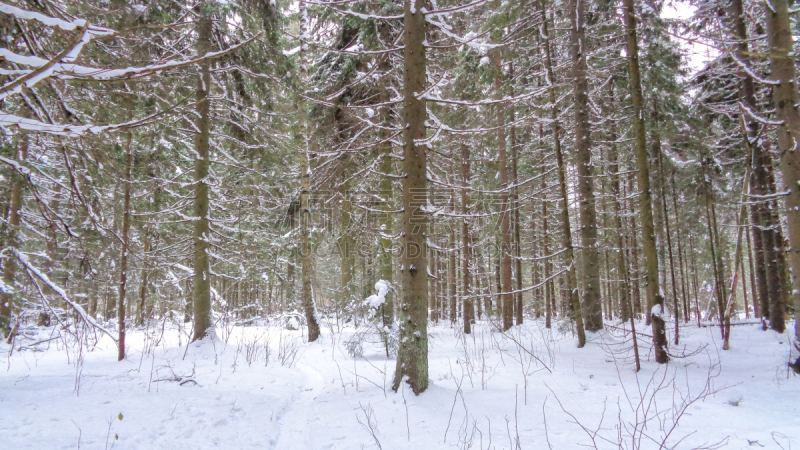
527	388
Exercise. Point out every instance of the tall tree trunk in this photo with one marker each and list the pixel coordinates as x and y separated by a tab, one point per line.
590	255
143	282
412	355
634	259
758	177
785	98
451	283
675	308
516	207
681	265
387	229
346	245
694	280
7	299
466	235
716	250
202	272
730	306
750	259
548	309
760	246
506	286
123	264
309	307
52	254
622	266
570	279
655	302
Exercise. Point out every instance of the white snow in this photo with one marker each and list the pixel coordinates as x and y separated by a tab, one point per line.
656	310
486	390
379	298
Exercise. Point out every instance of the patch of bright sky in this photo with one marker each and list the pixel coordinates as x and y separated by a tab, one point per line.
697	54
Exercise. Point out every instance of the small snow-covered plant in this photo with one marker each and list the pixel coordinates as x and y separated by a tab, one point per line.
354	346
292	321
373	333
377	320
565	327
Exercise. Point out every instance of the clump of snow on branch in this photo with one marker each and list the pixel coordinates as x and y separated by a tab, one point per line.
379	298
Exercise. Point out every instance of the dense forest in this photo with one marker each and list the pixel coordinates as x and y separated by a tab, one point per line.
391	167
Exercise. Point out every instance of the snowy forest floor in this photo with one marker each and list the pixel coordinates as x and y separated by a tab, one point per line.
263	387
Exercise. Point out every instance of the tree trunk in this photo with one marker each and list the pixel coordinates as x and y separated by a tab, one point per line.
750	258
570	279
590	255
548	309
655	302
451	283
622	266
309	307
143	283
123	264
506	285
412	355
202	272
634	259
694	281
8	299
346	245
675	307
515	205
466	235
785	98
681	265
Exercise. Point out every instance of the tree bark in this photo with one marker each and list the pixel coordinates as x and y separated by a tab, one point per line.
681	265
451	284
412	355
506	285
654	299
202	273
8	299
570	279
784	96
590	255
123	264
675	307
309	307
622	266
466	235
518	309
143	283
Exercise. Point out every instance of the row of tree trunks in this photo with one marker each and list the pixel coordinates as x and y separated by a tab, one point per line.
570	279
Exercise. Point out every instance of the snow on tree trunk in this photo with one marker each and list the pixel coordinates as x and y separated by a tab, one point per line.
412	354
